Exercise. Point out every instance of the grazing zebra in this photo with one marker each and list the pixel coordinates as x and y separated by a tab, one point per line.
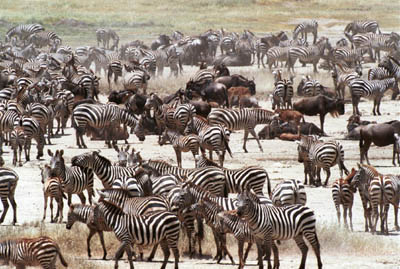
208	210
42	39
135	79
238	180
310	26
180	143
23	31
378	73
209	178
378	198
374	89
103	168
104	36
41	251
100	116
7	121
289	192
279	223
246	119
376	42
342	76
362	26
309	87
74	179
311	54
52	187
129	184
8	184
275	54
93	218
351	57
17	142
203	76
392	66
343	194
283	94
323	155
361	180
212	137
159	227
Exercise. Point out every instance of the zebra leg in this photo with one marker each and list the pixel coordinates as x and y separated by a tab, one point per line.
200	234
328	175
152	254
167	253
378	104
303	248
178	154
90	194
249	245
120	251
350	206
345	217
312	238
60	206
253	133
5	208
51	210
15	156
218	246
260	253
276	255
374	218
337	206
224	247
91	233
45	207
19	155
82	198
240	253
382	217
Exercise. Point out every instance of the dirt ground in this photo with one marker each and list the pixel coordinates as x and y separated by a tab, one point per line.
280	161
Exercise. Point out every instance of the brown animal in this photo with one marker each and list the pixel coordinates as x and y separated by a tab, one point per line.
289	137
321	105
381	135
238	92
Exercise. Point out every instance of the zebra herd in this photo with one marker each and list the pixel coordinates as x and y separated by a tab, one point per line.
147	202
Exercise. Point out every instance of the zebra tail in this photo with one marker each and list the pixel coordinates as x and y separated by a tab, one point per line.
269	186
226	143
200	229
62	260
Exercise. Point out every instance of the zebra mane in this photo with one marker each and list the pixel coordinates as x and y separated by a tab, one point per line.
196	188
369	167
102	158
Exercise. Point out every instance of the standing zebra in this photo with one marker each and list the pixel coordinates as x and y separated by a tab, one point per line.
323	155
17	142
23	31
280	54
212	137
180	143
183	113
246	119
310	26
289	192
343	194
202	76
374	89
270	223
283	94
32	130
392	195
129	184
104	36
392	66
378	73
311	54
378	198
135	79
42	251
100	116
159	227
362	26
74	179
52	188
309	87
342	76
44	115
8	184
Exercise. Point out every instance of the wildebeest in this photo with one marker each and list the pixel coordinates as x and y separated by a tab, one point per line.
354	124
238	92
119	97
381	134
321	105
135	103
275	129
215	92
235	81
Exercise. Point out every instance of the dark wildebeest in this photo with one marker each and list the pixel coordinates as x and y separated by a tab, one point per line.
382	134
221	70
214	92
354	124
321	105
119	97
135	103
162	40
275	129
242	59
235	81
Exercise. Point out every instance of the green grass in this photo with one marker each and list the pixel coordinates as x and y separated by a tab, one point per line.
144	20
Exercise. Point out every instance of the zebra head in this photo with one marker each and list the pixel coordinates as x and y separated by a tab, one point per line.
134	158
73	215
246	201
45	172
122	155
85	160
139	129
57	163
359	178
153	101
163	138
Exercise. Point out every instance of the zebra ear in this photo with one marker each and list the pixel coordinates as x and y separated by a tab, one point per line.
50	153
359	165
116	148
61	152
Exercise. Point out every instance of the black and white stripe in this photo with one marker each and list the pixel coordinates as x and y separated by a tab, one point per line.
23	31
283	94
246	119
17	142
362	26
289	192
8	183
309	26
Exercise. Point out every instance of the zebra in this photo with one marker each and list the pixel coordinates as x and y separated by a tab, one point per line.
41	251
343	194
42	39
183	113
392	195
270	223
376	42
392	66
238	180
293	42
203	77
180	143
163	113
311	54
7	121
240	119
323	155
227	44
44	115
361	180
123	155
52	187
212	137
32	130
100	116
93	218
277	53
23	31
283	94
350	57
104	36
208	210
130	184
378	197
17	142
135	79
209	178
362	26
374	89
376	73
309	87
102	167
159	227
310	26
74	179
8	183
289	192
342	76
